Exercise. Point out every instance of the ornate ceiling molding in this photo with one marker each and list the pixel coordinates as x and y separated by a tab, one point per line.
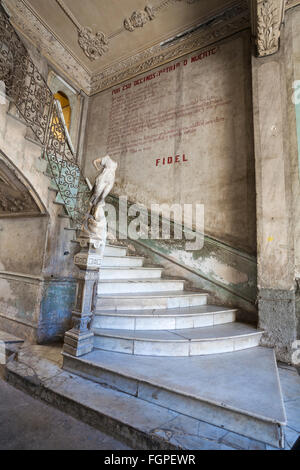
94	45
231	21
139	18
267	18
17	197
25	20
218	25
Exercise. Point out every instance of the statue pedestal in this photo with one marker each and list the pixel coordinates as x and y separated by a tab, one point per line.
80	339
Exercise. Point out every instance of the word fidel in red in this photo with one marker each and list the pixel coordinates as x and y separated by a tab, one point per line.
171	160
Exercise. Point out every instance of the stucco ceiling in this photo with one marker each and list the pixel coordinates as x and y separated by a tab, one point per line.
107	16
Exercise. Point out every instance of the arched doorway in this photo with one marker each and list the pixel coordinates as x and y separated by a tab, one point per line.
66	107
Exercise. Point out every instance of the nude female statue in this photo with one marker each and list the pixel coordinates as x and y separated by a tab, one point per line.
95	223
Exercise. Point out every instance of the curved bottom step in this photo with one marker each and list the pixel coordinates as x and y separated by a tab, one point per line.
237	391
187	342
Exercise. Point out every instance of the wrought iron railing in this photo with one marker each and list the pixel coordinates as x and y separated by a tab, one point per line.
28	90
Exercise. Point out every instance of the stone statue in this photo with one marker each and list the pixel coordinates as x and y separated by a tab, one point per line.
95	223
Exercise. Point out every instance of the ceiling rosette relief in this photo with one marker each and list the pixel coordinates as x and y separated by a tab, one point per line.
231	21
98	48
139	18
94	45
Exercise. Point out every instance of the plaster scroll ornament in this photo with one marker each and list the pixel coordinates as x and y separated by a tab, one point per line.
95	224
94	45
139	18
269	20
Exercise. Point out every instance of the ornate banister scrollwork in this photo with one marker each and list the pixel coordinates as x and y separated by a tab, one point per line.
28	90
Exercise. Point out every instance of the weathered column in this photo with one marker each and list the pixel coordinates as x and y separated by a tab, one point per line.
275	220
80	339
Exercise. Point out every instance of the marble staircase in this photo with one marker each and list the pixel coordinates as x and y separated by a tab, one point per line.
158	341
154	316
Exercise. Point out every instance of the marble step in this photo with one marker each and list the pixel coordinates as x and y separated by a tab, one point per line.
7	338
114	250
185	342
129	273
139	286
9	344
122	261
238	391
169	319
158	300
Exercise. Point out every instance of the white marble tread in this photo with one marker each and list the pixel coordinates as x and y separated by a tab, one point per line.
173	312
131	268
163	299
129	272
229	330
245	381
119	261
122	247
107	257
142	281
141	295
7	338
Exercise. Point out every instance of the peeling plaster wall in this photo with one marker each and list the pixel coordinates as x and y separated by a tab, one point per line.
22	248
217	142
22	242
219	172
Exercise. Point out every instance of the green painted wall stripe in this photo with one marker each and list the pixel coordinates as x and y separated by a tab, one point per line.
297	109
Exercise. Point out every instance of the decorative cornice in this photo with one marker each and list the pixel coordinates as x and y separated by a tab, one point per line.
33	28
224	23
267	18
231	21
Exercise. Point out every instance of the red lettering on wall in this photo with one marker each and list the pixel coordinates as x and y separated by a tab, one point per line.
204	54
171	160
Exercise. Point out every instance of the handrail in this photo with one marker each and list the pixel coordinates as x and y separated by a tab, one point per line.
35	102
